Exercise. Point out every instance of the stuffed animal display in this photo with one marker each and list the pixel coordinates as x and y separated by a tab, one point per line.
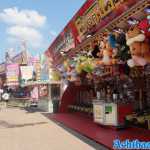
139	48
123	52
107	54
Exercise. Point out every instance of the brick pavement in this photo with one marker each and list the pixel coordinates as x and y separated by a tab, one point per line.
21	130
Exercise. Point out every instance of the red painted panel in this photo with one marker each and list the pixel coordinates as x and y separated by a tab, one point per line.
123	111
69	96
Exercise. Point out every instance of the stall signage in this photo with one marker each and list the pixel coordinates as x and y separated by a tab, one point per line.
88	20
33	60
12	74
106	6
26	73
94	15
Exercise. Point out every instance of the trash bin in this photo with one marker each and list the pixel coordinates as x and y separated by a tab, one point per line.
55	105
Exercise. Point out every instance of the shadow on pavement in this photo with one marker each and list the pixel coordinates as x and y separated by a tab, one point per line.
6	124
32	109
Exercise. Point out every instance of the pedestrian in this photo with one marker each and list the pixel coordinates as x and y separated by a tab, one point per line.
34	96
1	92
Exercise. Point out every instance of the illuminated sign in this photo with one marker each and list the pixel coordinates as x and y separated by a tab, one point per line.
12	73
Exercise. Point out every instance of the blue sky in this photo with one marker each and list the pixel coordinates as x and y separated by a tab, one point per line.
37	22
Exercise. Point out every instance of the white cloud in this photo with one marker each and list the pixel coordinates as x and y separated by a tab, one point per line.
27	25
18	33
25	17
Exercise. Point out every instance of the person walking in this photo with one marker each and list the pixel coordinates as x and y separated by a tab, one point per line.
34	96
1	92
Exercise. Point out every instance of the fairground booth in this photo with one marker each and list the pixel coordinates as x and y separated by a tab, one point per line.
103	55
10	75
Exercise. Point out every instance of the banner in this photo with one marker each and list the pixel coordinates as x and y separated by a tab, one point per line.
26	73
12	74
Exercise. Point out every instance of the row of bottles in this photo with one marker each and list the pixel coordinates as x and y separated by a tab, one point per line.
115	90
84	98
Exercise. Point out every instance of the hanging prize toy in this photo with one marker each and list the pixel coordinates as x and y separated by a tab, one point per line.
144	25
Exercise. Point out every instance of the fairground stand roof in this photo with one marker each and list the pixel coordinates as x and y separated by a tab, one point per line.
90	21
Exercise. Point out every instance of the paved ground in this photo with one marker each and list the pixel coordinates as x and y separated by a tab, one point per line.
24	130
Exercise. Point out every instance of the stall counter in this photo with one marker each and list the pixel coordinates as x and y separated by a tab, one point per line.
112	114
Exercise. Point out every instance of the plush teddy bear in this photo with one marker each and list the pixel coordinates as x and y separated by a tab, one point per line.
139	48
145	47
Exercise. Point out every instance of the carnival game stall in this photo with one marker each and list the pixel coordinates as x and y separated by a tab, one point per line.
113	64
107	72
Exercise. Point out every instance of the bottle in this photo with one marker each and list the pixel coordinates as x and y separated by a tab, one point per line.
115	95
98	94
108	94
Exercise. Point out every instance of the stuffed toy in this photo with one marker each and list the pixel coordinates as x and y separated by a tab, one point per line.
96	51
112	40
123	52
145	47
139	48
85	64
107	53
144	25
